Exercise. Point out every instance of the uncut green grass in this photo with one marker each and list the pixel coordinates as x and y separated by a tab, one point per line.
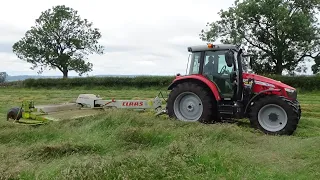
126	144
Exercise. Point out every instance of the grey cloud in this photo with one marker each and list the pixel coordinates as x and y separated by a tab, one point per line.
5	47
156	54
12	30
119	48
182	48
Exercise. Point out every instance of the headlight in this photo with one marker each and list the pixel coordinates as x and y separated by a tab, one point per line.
292	93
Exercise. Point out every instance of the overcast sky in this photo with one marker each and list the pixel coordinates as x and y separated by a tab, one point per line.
140	36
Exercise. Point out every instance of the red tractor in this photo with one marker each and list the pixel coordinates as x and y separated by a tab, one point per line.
219	87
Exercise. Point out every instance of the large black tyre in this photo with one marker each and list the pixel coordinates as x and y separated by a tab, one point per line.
201	105
14	113
274	115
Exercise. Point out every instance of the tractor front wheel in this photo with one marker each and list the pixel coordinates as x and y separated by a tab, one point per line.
274	115
190	102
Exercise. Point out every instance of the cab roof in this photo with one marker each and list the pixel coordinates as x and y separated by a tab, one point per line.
210	47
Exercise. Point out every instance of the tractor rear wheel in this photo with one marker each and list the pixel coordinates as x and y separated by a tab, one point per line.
191	102
273	115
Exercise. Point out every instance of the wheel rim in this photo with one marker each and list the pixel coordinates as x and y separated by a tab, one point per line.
188	107
272	117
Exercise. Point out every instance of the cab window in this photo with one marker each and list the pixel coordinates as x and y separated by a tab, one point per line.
195	63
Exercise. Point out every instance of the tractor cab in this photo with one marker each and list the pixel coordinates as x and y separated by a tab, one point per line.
219	64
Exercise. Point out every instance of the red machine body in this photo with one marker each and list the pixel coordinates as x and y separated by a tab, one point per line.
210	91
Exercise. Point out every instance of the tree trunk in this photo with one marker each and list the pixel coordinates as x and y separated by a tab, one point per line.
279	67
65	73
278	70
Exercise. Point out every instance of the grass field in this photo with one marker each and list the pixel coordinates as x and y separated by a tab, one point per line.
134	145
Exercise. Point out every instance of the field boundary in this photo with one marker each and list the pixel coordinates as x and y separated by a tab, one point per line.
305	83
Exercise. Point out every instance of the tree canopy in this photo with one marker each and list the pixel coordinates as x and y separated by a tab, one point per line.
316	67
60	40
3	77
279	34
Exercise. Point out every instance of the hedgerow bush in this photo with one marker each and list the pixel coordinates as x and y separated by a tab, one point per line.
306	83
137	82
12	84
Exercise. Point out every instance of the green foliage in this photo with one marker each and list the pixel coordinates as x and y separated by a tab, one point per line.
279	34
306	83
118	82
60	40
3	77
18	84
316	67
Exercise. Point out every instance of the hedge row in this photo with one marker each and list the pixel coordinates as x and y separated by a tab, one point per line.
301	82
12	84
307	83
137	82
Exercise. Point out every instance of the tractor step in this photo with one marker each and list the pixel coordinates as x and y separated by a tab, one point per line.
230	110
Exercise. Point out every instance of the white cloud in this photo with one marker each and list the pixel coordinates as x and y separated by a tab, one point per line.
141	36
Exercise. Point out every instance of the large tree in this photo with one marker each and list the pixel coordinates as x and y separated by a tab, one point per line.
60	40
279	34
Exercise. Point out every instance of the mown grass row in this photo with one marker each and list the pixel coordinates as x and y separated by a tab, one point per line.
307	83
124	144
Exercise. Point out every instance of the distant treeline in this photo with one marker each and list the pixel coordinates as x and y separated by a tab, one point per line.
308	83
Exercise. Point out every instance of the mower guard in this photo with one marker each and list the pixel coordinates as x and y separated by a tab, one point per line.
85	105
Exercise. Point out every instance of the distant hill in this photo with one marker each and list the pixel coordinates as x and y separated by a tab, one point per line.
23	77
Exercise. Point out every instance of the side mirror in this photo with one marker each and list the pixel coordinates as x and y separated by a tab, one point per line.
229	58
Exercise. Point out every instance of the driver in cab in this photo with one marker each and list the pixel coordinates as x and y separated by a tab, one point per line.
212	66
211	72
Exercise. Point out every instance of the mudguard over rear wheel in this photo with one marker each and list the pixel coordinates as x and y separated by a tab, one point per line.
274	115
191	102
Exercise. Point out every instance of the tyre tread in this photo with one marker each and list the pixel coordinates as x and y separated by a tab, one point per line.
208	100
290	108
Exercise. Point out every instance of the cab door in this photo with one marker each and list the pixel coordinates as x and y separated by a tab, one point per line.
216	69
